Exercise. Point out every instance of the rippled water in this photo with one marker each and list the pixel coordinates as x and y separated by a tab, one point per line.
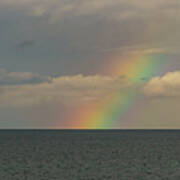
88	155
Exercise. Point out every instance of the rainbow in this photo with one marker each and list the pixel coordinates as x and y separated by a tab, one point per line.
109	111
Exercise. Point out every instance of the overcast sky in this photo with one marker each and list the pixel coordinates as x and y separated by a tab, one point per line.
56	55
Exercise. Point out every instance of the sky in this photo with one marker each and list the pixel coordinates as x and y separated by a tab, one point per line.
90	64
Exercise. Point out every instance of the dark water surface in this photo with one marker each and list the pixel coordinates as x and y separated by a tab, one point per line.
90	154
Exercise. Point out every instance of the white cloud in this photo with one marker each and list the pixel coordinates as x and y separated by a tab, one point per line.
67	90
167	85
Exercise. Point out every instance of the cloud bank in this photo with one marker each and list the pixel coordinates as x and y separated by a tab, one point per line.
19	89
68	90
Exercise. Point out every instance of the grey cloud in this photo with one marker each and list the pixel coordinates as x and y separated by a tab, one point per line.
78	36
15	78
26	43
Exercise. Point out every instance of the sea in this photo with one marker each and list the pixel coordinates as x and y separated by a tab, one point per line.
40	154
